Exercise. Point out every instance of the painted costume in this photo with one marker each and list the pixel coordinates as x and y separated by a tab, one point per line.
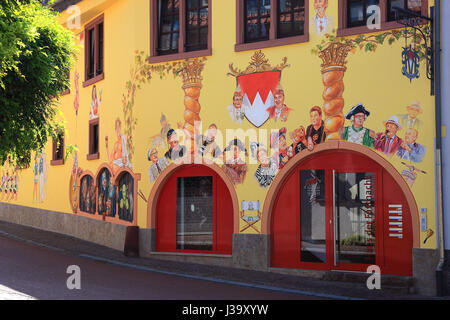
388	146
416	155
265	175
156	168
236	170
360	136
237	115
278	114
318	136
172	154
119	161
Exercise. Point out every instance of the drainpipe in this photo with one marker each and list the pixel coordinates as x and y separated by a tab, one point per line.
438	103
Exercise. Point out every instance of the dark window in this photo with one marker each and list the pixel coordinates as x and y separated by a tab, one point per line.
180	29
257	20
197	16
195	213
291	18
412	5
58	150
94	135
357	12
168	26
94	51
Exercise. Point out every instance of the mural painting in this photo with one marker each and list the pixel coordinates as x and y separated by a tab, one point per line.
267	168
87	195
157	164
357	133
73	187
9	188
95	103
410	119
126	197
258	85
119	156
235	167
106	194
40	171
321	22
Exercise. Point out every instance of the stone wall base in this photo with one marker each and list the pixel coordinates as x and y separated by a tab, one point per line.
250	251
107	234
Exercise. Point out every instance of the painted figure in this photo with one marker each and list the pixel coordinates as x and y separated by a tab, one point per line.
42	175
411	150
159	140
207	146
36	178
76	101
126	201
95	103
322	23
111	202
410	174
267	168
356	133
119	157
176	151
388	142
234	166
158	165
411	120
278	142
279	111
299	141
315	133
238	108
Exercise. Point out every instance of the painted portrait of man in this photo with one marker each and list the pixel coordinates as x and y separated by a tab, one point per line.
321	22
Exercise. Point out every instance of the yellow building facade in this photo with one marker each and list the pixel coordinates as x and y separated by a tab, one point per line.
345	193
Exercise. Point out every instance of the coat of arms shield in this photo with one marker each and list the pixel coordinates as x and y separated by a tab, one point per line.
258	90
257	86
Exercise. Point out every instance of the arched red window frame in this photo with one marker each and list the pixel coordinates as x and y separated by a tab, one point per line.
116	178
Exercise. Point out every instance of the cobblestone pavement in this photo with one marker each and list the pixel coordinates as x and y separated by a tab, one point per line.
283	284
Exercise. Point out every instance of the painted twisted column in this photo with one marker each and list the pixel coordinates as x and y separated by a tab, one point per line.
192	85
333	70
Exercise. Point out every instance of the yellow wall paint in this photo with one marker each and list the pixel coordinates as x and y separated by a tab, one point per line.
374	79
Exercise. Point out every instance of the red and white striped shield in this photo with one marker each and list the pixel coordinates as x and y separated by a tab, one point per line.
258	89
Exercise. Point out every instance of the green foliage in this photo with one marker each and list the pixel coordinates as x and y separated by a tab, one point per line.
36	55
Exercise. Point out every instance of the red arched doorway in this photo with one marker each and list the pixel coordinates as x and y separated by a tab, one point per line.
194	212
341	210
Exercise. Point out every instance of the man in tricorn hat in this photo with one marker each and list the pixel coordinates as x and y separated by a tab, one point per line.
356	133
176	151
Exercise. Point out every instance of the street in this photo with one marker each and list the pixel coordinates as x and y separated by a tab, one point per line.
33	272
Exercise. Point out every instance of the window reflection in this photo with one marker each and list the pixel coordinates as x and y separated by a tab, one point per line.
312	216
195	213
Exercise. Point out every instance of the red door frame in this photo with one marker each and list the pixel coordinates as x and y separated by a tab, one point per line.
165	218
327	162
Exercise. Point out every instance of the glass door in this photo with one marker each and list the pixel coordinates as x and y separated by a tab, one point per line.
353	218
313	207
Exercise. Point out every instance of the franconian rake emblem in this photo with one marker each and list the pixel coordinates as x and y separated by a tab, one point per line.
257	86
410	61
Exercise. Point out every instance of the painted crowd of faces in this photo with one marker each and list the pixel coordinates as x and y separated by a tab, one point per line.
106	195
9	187
126	197
87	195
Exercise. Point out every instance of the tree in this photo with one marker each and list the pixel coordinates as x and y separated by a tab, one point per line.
36	55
